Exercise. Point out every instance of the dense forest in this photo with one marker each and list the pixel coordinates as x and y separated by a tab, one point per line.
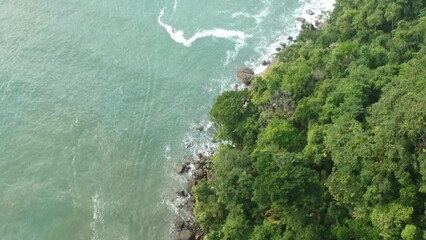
331	142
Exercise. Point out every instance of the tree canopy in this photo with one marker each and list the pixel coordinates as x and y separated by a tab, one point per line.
331	142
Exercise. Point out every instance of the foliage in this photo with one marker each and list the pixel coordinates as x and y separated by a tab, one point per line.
331	142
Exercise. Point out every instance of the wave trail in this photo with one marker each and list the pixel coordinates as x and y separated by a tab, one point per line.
178	35
98	216
257	17
175	6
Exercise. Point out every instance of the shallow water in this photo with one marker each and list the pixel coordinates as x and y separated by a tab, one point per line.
96	98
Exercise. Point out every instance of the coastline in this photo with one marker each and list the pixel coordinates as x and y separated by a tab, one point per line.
199	166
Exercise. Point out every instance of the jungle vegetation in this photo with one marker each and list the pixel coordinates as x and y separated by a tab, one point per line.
331	142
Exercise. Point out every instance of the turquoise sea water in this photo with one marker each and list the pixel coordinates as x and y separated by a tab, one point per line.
96	98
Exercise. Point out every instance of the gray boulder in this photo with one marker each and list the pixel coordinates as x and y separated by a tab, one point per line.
245	75
181	168
178	222
301	19
181	193
199	128
189	185
198	173
266	62
310	12
185	235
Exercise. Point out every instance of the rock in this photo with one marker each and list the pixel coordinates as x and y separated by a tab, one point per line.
283	45
278	49
186	162
189	206
180	168
198	173
197	166
189	185
181	193
290	38
245	75
310	12
235	87
301	19
199	128
319	24
178	222
265	62
185	234
200	155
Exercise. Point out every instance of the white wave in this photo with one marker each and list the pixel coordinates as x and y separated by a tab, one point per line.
318	7
230	55
98	216
257	17
167	150
178	35
268	50
175	5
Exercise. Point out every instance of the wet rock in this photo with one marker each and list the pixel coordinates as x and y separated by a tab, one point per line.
283	45
200	155
185	235
245	75
197	166
278	49
203	160
181	168
186	162
198	173
199	128
301	19
178	222
266	62
310	12
290	38
181	193
189	185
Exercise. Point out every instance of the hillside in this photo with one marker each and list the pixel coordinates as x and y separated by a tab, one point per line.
331	142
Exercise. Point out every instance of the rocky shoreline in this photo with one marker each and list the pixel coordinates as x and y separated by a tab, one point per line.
199	166
195	169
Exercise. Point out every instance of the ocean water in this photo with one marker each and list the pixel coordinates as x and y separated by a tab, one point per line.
99	98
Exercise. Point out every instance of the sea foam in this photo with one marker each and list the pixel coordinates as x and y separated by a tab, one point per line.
175	6
258	18
178	36
268	51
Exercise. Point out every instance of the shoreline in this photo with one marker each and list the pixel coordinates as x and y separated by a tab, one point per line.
199	166
316	15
